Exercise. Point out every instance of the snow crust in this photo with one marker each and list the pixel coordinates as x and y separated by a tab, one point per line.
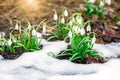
41	66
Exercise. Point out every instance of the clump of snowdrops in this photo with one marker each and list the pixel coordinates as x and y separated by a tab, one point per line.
96	7
26	38
81	39
60	25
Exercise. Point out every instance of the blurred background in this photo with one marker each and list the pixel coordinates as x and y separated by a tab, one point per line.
32	10
37	10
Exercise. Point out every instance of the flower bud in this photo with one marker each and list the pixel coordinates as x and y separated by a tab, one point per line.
93	39
9	42
82	31
91	1
62	20
44	29
34	33
70	34
66	13
16	27
101	3
3	34
108	2
55	17
79	20
88	28
70	23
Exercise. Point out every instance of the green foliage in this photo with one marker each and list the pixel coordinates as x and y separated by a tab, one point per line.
60	26
81	43
24	39
94	9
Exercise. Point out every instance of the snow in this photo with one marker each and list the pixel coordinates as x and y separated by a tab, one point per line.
41	66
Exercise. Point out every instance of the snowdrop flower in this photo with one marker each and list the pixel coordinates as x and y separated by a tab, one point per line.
93	39
3	34
101	3
55	17
70	22
82	31
70	34
91	1
63	20
9	42
79	20
75	28
44	29
66	13
108	2
88	28
16	27
34	32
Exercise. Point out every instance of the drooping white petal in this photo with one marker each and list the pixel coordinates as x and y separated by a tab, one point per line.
66	13
93	39
44	29
70	34
82	31
63	20
70	23
79	20
108	2
55	17
9	42
34	32
75	29
16	27
101	3
91	1
88	28
3	34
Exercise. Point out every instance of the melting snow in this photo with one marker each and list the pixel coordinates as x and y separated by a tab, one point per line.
41	66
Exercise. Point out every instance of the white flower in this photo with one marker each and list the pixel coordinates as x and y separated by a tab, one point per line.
79	20
91	1
44	29
55	16
75	29
34	33
9	42
70	34
93	39
14	39
82	31
108	2
70	23
63	20
66	13
3	34
101	3
16	27
88	28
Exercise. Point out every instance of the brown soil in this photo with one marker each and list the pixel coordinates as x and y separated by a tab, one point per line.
88	59
18	52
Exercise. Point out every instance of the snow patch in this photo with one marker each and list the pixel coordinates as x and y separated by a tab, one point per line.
41	66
